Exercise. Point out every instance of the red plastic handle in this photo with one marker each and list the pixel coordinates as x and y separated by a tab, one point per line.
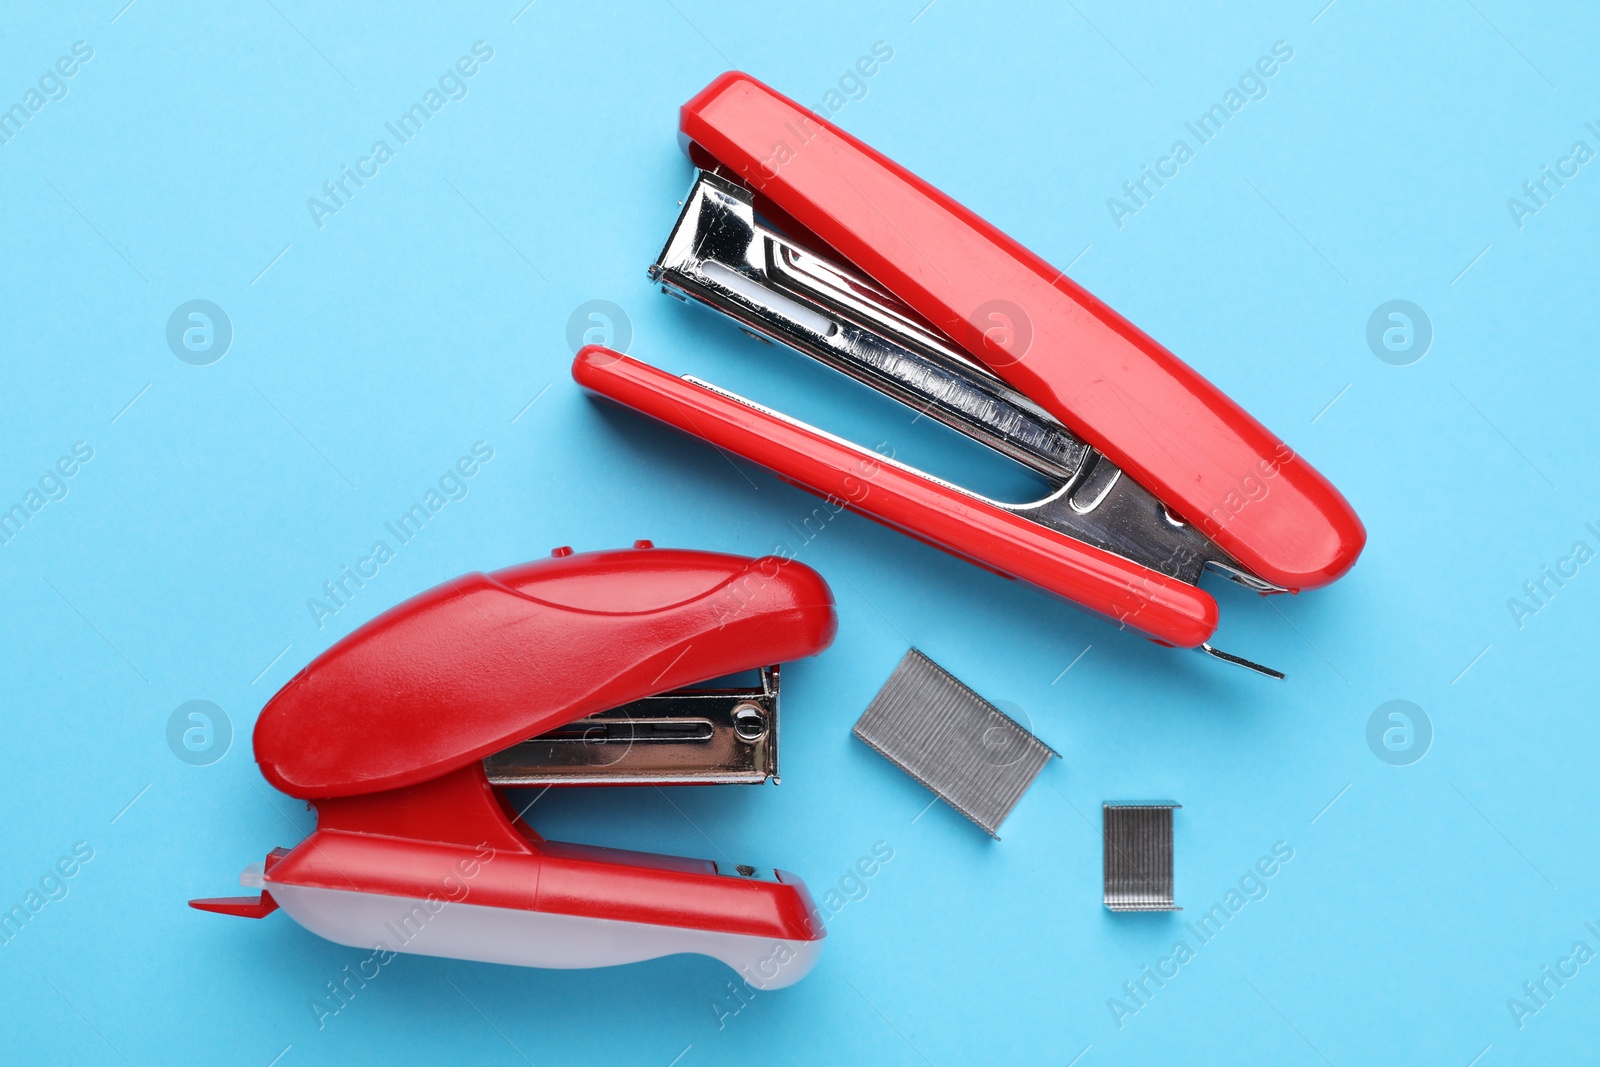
1103	377
1163	608
486	660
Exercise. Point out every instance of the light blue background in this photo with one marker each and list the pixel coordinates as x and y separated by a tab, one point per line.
428	312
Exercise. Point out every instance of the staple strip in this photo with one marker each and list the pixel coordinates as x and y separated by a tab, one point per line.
1138	856
968	752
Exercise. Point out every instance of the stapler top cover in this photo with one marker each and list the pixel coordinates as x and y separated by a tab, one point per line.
487	660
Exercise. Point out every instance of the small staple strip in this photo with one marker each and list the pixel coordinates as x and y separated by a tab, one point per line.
1138	855
971	754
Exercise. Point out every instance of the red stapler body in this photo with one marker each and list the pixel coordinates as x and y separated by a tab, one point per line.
806	236
567	671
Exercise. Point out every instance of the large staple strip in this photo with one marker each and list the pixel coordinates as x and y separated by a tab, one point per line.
971	754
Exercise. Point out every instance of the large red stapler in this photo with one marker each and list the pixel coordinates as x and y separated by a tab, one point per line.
808	237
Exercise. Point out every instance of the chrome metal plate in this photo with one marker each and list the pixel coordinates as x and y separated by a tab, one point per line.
686	737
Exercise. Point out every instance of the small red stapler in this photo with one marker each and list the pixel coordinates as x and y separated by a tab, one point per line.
567	671
806	236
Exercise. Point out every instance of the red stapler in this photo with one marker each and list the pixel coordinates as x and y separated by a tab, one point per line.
567	671
806	236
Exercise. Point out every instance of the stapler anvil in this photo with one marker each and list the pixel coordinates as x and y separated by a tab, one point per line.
566	671
805	236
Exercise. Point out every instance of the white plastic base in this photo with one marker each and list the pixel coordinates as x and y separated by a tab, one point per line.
530	938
